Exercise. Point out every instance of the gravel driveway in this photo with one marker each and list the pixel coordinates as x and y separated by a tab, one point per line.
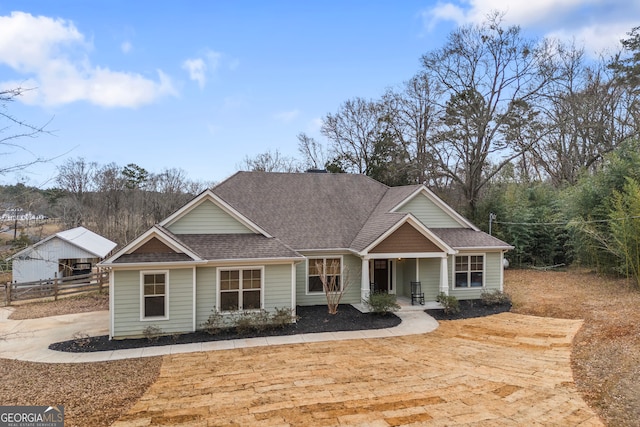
506	369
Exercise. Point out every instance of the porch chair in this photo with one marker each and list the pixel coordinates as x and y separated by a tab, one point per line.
416	293
373	287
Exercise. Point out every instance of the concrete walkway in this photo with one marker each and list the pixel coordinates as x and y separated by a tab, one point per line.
29	339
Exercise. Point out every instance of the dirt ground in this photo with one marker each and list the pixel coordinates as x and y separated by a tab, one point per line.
605	357
75	304
93	394
506	369
606	351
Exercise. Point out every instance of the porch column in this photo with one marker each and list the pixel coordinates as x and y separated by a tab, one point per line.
364	283
444	275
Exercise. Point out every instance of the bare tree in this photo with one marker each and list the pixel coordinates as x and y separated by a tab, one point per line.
76	177
353	132
166	192
334	282
412	115
270	162
589	113
12	130
314	155
489	76
111	218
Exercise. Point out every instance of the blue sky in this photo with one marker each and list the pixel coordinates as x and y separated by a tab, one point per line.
199	85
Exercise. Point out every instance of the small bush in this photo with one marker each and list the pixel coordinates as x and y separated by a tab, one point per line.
495	297
450	303
152	332
214	323
81	339
244	322
260	320
382	303
282	317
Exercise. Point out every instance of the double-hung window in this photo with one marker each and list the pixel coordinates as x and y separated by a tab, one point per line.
155	286
469	271
330	268
240	289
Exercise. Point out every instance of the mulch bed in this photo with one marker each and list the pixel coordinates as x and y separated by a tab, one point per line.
470	309
311	319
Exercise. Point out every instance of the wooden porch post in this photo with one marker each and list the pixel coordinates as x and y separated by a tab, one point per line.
444	274
364	283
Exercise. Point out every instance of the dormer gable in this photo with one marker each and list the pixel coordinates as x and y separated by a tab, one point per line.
155	245
432	211
207	213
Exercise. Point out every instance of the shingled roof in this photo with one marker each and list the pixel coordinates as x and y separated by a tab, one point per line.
329	211
465	238
305	210
237	246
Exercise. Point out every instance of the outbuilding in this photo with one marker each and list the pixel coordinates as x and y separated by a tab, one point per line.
67	253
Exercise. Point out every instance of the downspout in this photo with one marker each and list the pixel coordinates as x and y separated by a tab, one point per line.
112	296
193	309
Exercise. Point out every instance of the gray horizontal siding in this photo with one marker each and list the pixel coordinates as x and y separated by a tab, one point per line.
207	218
492	277
127	308
277	289
277	286
405	275
429	270
429	213
205	294
351	295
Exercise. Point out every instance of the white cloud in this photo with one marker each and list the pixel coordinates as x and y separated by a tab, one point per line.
200	68
197	70
563	19
126	47
597	38
53	56
286	116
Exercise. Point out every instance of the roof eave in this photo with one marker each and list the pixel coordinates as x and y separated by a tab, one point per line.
484	248
147	265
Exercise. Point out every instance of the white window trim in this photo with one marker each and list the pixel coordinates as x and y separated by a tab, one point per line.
306	273
219	291
484	271
166	296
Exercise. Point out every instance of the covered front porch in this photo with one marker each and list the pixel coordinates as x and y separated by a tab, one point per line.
408	252
394	274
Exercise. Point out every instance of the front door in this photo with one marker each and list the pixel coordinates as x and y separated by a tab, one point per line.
381	274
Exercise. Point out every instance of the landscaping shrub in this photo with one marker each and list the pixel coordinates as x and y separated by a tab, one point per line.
382	303
214	323
495	297
244	322
152	332
248	321
81	339
282	317
450	303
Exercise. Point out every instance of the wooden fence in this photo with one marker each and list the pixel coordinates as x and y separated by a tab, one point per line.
55	288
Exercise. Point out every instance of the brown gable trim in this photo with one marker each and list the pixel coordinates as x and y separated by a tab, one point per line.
406	239
154	246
